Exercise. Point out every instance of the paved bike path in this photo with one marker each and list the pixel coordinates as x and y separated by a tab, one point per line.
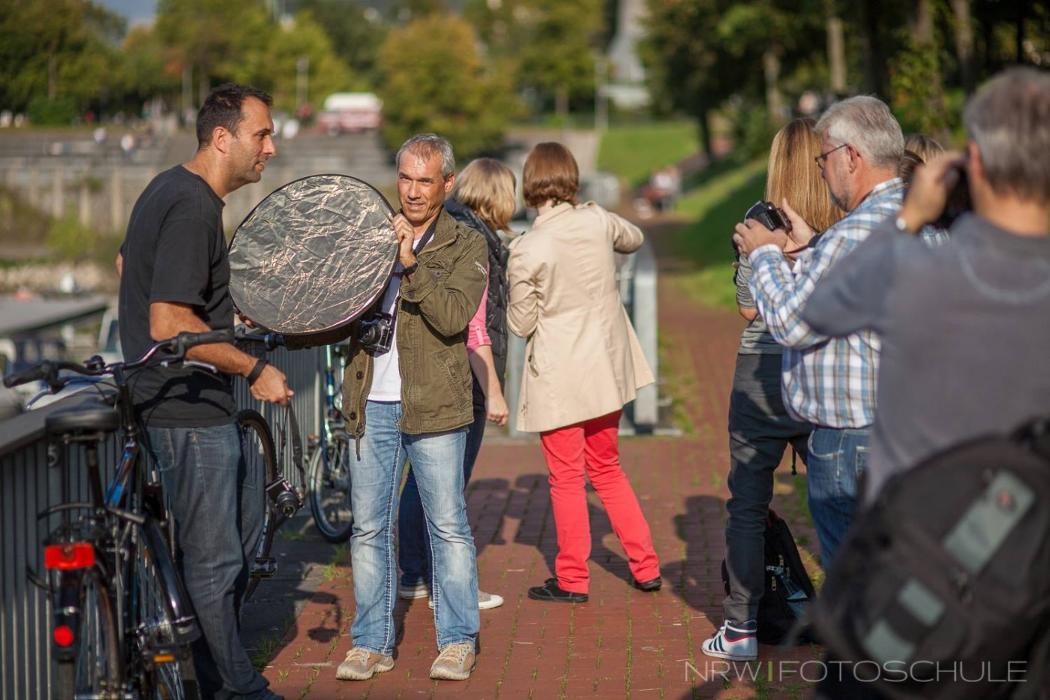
623	643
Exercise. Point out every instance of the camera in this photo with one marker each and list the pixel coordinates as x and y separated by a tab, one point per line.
375	332
958	201
768	215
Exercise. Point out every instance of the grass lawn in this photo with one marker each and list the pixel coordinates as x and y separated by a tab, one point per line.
634	152
712	206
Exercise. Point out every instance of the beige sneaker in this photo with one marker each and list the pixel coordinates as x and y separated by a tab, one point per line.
361	664
454	663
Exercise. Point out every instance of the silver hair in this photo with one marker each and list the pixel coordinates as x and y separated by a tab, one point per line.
867	124
1009	120
427	145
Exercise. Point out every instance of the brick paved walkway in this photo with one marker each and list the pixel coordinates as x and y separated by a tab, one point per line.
623	643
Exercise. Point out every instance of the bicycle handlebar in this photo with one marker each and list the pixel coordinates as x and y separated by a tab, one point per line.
161	352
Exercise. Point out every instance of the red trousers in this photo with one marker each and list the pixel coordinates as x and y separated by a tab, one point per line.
591	448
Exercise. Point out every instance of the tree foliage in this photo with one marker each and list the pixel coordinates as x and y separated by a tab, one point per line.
354	34
548	45
434	80
56	50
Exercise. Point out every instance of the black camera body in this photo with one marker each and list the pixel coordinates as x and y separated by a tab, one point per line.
375	332
958	201
768	215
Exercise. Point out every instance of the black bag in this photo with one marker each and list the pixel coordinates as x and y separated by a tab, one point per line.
946	576
787	585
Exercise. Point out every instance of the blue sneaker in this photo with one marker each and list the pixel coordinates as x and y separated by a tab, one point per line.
735	641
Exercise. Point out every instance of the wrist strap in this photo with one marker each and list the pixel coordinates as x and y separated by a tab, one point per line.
256	370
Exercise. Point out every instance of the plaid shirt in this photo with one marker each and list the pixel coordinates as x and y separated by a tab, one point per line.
826	381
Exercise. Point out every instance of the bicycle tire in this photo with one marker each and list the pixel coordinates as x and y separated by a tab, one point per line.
257	444
95	668
162	621
329	490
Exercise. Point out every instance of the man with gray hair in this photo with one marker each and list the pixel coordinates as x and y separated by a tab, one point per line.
407	396
963	328
831	382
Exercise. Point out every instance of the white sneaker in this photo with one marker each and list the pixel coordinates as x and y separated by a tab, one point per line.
734	641
486	601
419	590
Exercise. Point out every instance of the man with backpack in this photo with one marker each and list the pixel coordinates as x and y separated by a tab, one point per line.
942	589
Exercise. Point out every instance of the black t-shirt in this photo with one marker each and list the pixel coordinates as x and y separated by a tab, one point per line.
175	251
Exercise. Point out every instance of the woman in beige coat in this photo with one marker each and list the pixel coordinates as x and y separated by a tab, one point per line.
583	363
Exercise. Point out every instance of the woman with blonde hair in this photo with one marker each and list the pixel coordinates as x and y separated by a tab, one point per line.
583	363
760	428
482	198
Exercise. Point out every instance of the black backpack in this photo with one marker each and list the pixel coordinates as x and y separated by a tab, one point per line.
787	585
942	587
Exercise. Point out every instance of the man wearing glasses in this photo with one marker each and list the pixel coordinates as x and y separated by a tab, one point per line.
830	382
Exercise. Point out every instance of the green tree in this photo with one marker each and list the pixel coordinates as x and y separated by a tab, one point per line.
549	45
214	40
688	64
57	49
355	35
148	68
298	63
434	80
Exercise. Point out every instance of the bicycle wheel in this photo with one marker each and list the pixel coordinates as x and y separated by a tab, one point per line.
260	454
329	489
95	668
161	619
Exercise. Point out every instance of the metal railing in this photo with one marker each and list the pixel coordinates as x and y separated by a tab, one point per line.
28	485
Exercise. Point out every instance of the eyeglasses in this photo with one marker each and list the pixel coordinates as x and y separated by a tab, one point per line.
824	156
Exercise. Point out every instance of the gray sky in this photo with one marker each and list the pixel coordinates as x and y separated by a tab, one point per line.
136	11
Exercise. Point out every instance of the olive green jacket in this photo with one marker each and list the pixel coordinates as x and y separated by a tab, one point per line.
435	304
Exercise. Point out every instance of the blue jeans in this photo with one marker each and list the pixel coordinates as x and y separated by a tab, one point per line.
217	506
413	542
837	459
437	460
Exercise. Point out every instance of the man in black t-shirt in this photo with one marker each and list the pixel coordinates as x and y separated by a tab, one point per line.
174	277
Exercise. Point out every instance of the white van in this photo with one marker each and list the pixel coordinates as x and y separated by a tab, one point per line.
350	112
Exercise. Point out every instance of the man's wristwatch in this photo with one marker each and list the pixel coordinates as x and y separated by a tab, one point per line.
257	370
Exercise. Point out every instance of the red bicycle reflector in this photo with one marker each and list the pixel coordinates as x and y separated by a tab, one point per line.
71	555
63	636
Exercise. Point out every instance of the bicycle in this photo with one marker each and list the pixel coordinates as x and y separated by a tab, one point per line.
329	467
283	497
123	621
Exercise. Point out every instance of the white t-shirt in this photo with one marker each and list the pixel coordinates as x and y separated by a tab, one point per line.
386	375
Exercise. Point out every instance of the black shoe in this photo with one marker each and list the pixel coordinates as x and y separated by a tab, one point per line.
550	591
649	586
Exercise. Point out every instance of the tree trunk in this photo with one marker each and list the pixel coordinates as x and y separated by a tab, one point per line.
871	14
836	49
703	123
1022	15
963	28
771	72
922	29
561	105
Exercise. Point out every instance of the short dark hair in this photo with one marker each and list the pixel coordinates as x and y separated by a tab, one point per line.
223	108
550	173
